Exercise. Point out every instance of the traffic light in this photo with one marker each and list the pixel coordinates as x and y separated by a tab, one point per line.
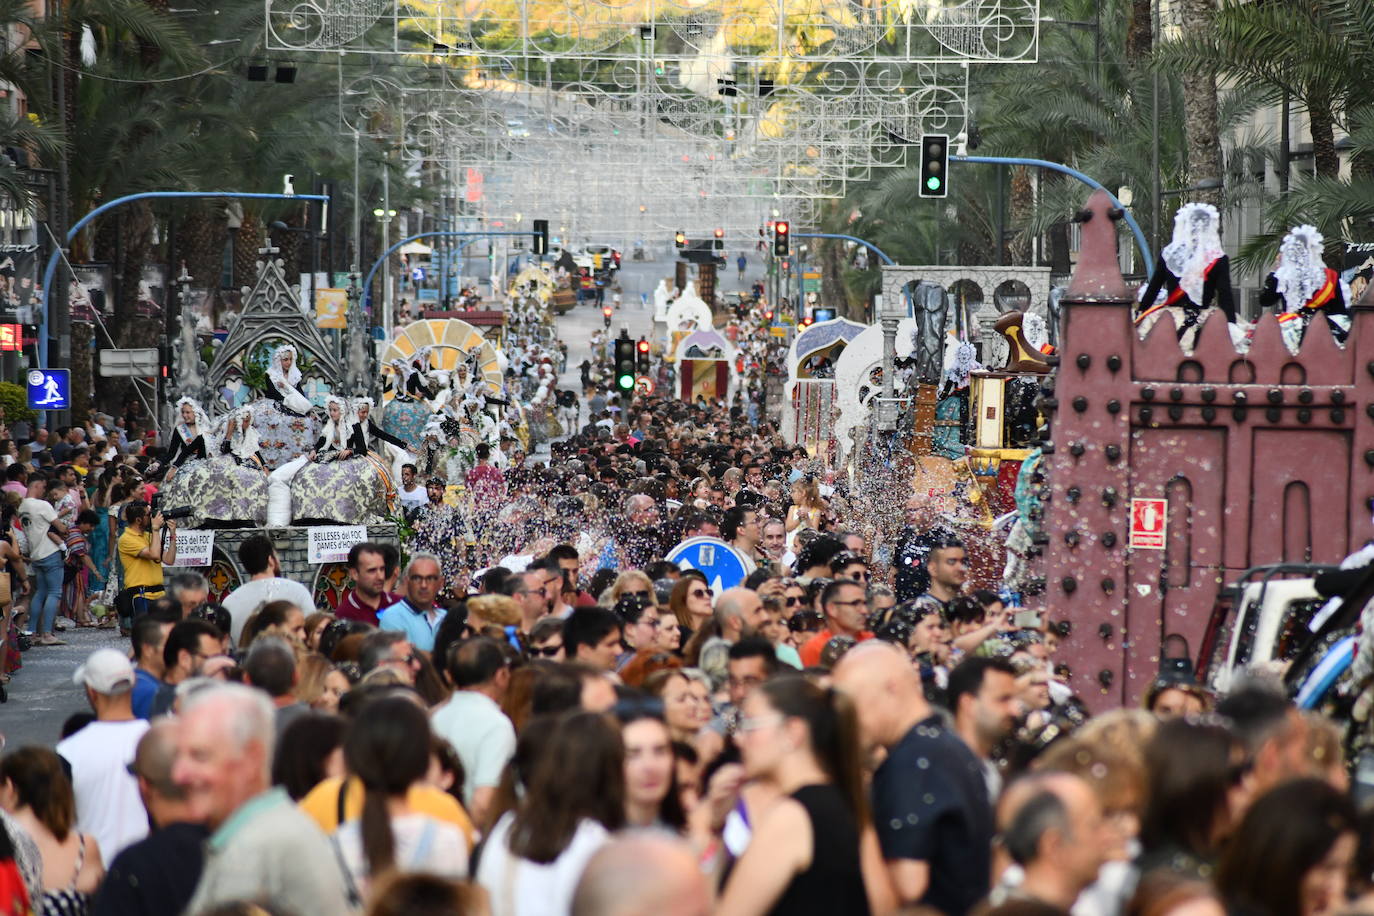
787	267
782	241
624	364
720	240
934	165
680	240
541	236
768	316
642	366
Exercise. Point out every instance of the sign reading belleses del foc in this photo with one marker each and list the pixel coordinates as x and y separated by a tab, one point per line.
194	548
331	543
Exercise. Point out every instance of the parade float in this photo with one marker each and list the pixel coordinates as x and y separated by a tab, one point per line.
1181	461
808	395
274	389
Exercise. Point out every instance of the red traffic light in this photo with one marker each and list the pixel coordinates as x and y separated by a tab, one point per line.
606	311
780	227
720	233
643	346
768	315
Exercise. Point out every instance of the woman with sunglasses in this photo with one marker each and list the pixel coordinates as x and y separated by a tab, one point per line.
690	602
630	582
814	851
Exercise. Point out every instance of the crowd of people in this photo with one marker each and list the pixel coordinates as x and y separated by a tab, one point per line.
525	709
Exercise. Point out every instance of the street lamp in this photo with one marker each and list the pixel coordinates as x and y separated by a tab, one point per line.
385	217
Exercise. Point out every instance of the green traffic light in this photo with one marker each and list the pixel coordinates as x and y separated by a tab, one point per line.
627	382
933	182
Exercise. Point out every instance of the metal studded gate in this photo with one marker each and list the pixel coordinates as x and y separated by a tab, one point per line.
1260	456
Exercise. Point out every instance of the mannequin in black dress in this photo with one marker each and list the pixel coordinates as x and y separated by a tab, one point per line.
1194	273
1301	286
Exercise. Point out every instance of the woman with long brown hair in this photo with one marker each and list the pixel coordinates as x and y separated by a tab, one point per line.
690	602
807	509
35	790
814	851
574	798
388	749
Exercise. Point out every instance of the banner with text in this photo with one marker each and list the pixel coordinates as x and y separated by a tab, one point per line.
194	548
330	544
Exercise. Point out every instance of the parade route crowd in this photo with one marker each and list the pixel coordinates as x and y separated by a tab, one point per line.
531	712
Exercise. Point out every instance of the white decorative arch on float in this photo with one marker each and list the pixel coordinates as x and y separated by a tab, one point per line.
810	340
451	339
854	369
706	341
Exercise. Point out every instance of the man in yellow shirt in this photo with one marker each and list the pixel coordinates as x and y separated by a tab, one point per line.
143	550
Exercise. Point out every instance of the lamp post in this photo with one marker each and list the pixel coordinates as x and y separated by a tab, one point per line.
385	217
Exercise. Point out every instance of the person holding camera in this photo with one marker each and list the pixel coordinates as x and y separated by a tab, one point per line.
147	543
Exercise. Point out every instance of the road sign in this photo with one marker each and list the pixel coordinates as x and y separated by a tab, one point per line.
724	566
1149	522
50	389
129	363
644	385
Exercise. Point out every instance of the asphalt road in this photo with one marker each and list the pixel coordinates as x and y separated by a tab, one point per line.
42	695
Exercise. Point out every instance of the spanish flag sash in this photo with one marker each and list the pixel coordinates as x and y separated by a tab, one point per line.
1319	299
1176	295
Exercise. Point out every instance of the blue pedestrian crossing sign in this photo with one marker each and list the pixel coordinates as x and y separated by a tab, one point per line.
724	566
50	389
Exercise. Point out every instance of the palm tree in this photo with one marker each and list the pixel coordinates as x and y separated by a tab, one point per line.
1316	51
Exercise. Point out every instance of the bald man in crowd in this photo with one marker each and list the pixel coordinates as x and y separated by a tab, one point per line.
930	804
642	873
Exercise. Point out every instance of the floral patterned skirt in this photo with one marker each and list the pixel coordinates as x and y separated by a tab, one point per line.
281	436
221	491
355	491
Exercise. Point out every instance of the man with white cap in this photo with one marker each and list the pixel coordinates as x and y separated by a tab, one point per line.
107	801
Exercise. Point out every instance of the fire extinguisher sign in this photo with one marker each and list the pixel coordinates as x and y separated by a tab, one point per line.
1149	522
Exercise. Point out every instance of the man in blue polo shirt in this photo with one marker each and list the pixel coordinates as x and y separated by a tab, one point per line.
416	614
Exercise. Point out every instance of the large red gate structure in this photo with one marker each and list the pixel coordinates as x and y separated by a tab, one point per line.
1260	456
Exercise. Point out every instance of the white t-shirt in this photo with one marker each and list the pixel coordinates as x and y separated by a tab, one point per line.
244	600
517	563
412	499
481	734
37	515
422	844
519	887
107	802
